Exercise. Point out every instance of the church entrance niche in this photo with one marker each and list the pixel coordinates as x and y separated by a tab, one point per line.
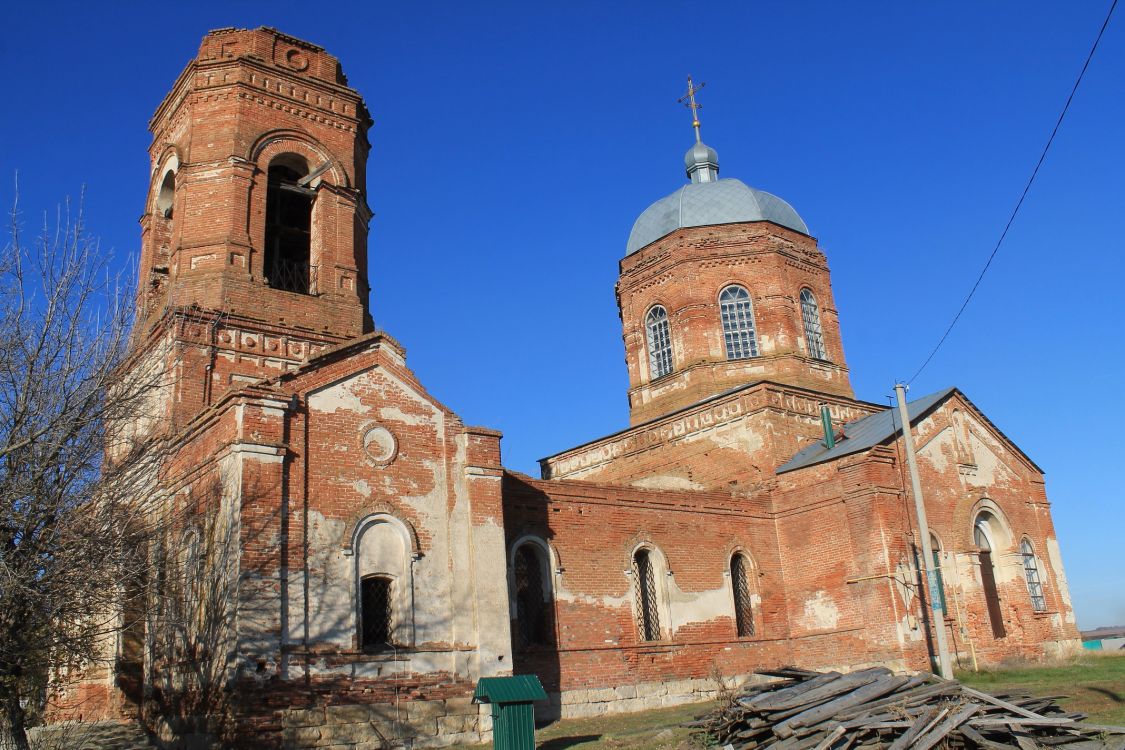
289	227
533	621
981	535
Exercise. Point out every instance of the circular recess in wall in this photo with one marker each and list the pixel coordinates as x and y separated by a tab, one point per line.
380	445
296	60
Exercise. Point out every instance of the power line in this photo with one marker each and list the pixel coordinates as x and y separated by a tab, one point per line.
1023	195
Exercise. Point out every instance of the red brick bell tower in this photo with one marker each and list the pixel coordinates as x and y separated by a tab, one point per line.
254	251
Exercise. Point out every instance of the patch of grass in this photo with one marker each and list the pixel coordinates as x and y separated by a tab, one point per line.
1093	683
647	730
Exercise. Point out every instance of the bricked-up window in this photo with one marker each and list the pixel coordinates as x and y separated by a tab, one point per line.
737	314
648	607
810	316
659	342
988	575
743	606
375	613
288	230
533	615
1031	573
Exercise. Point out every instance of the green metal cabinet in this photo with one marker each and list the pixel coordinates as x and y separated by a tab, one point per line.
513	715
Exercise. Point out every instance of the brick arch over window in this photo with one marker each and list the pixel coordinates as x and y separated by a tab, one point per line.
355	525
276	142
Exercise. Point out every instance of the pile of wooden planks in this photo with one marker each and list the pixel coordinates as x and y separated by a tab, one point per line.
875	708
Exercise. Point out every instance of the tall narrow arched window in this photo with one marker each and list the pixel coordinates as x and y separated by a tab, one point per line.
982	536
810	316
288	228
743	604
531	591
659	342
645	591
737	314
935	548
376	612
1031	573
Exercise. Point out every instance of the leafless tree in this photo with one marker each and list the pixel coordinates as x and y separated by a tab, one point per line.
77	426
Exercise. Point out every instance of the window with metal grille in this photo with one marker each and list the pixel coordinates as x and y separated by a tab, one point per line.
743	608
288	231
935	548
648	612
533	622
1031	572
659	342
737	314
810	315
375	612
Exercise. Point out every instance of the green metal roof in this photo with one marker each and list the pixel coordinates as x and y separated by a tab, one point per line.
523	688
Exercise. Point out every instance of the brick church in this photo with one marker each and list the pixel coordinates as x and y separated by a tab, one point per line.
358	557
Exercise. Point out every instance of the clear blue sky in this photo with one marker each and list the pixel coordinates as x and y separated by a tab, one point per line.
515	143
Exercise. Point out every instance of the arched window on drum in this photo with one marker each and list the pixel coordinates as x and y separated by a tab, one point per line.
737	313
659	342
810	317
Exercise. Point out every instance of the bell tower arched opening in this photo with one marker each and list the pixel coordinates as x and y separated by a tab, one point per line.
288	241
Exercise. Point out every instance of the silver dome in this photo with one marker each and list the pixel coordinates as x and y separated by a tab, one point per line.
700	204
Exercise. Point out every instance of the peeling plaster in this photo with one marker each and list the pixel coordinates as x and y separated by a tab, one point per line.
1054	556
821	612
393	413
665	482
340	396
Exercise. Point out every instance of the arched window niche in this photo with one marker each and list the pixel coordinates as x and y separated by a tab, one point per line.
288	240
166	194
1031	575
531	593
737	314
742	591
991	537
939	571
384	583
649	571
810	318
659	342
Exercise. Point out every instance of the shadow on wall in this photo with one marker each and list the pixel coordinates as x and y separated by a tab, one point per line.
204	587
532	574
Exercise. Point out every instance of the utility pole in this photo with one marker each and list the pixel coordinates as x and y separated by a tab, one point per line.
924	531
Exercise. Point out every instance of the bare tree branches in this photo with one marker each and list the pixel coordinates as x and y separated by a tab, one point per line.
77	466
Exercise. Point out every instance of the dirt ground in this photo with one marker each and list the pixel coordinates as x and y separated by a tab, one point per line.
1092	683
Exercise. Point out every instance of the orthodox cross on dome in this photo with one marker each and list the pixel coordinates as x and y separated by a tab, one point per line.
688	100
